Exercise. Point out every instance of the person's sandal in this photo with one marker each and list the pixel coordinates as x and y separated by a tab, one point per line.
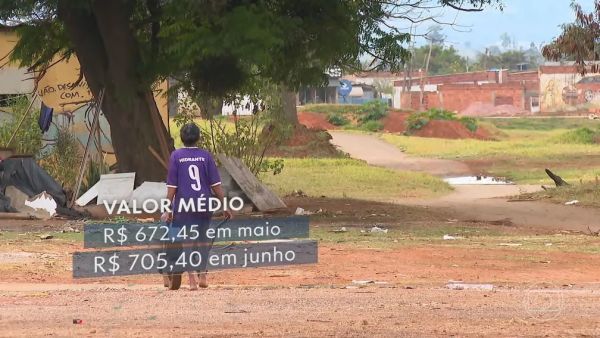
193	282
202	280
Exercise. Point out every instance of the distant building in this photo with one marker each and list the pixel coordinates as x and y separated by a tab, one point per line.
482	93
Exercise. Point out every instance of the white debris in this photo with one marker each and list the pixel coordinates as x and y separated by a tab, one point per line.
342	229
476	180
573	202
43	202
149	191
301	212
88	196
466	286
115	187
362	282
449	238
378	230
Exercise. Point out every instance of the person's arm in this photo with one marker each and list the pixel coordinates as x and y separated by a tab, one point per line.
215	184
172	181
218	191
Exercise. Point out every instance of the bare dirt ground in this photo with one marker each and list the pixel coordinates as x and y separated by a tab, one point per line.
545	280
538	290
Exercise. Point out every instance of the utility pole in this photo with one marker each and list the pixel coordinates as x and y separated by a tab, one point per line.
421	97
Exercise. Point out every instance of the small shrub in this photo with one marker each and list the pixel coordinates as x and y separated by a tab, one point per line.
28	138
63	161
419	120
470	123
337	119
373	111
372	126
579	136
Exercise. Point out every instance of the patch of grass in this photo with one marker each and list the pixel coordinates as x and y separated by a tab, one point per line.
331	108
520	144
588	194
582	135
337	119
522	155
541	124
202	123
348	178
372	126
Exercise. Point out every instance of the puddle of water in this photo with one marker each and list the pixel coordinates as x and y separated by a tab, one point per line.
476	180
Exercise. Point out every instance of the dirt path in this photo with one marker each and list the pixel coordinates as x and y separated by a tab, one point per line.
380	153
470	202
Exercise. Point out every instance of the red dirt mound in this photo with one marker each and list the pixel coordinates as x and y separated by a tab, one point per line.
314	120
451	130
306	142
395	122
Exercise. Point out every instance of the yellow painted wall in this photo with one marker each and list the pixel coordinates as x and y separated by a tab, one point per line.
54	87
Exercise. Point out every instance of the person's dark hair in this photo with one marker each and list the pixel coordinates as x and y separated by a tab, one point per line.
190	134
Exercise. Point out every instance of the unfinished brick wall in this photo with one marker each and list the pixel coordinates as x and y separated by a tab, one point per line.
457	97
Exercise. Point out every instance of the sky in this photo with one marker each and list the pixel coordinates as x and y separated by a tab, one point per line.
525	21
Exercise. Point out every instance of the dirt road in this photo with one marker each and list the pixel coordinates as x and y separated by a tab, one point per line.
470	202
376	151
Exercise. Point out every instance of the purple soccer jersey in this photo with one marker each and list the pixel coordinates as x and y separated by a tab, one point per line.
193	172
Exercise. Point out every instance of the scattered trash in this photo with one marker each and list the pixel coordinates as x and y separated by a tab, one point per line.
77	321
362	282
43	202
237	311
298	193
510	244
378	230
466	286
302	212
69	229
573	202
145	220
548	244
477	180
342	229
450	238
46	236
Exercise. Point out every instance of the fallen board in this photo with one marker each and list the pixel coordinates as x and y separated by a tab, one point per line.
115	187
89	196
263	198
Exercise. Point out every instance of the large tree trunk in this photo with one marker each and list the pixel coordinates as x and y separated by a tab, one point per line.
288	101
109	57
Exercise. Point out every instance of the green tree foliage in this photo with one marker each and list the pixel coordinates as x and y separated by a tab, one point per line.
509	56
444	60
578	41
215	48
